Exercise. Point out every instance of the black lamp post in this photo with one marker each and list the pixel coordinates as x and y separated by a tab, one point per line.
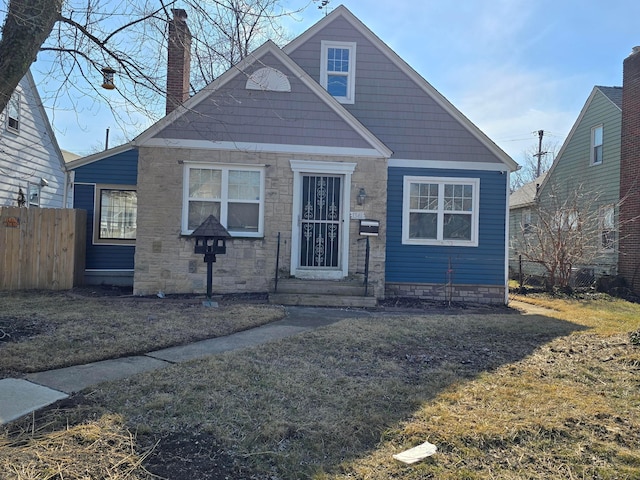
211	239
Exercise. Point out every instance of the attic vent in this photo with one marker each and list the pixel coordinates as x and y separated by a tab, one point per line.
268	79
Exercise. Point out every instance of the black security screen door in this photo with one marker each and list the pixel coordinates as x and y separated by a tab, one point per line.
320	228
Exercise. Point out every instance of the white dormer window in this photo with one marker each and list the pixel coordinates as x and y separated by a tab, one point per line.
338	70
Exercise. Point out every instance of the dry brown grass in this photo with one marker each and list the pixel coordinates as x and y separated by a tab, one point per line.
101	449
551	396
45	330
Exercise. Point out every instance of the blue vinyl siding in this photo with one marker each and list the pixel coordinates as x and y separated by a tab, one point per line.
120	169
481	265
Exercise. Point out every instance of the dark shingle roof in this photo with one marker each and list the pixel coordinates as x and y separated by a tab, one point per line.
526	194
612	93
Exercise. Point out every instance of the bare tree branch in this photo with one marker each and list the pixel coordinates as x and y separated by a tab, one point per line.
77	38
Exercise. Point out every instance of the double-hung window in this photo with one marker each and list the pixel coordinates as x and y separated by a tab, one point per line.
116	215
13	113
526	225
233	194
440	211
607	227
338	70
596	145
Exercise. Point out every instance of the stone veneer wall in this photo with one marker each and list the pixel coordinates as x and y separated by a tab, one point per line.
164	259
487	294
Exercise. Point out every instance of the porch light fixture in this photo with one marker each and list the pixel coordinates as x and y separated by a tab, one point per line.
107	78
362	195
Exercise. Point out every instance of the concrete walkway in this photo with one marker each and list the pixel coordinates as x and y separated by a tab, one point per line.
20	397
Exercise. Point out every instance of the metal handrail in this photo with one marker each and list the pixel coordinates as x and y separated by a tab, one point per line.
275	287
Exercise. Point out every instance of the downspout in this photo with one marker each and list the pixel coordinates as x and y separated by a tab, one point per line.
506	239
68	184
66	188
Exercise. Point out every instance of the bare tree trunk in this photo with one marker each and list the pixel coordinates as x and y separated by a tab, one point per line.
27	26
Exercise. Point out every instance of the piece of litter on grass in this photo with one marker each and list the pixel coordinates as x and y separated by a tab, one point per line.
416	454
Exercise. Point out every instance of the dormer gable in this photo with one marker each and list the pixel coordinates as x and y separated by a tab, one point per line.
391	99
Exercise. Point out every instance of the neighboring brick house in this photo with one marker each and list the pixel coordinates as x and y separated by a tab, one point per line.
587	166
303	142
31	163
629	244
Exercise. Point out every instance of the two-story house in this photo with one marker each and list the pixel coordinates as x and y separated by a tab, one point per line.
578	199
32	166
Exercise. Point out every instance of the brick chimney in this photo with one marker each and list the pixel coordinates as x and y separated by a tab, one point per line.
178	60
629	244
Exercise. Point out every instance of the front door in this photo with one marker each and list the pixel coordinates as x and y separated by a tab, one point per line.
320	219
320	222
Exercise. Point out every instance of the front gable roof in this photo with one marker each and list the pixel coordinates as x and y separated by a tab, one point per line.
612	93
614	97
45	119
290	113
438	127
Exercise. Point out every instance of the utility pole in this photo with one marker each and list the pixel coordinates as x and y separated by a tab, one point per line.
540	152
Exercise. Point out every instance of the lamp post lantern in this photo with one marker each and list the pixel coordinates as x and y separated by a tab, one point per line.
211	239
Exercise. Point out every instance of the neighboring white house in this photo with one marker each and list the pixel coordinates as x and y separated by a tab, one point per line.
32	168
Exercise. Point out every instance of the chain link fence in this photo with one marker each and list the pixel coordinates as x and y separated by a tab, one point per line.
532	275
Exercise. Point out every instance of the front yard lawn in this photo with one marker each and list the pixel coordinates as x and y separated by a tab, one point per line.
553	395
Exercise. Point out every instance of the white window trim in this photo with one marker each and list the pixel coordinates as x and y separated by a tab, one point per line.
225	167
97	213
592	144
351	75
475	214
300	167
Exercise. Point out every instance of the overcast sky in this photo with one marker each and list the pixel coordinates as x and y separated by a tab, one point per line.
513	67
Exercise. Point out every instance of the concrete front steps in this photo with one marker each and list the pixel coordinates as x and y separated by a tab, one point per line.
322	293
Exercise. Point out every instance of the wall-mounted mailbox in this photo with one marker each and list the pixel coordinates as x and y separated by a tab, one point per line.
370	228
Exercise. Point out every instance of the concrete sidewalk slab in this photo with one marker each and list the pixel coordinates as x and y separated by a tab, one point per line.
248	338
20	397
76	378
314	317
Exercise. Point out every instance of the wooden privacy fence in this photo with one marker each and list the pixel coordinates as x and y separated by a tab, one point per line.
41	248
